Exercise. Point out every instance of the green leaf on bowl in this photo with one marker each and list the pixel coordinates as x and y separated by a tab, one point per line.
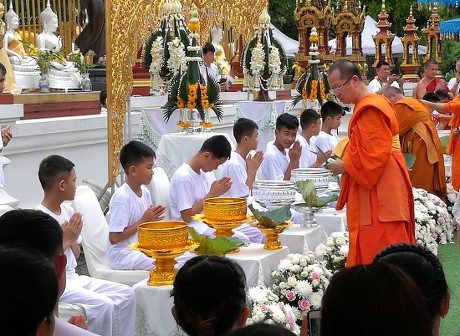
218	245
272	218
308	191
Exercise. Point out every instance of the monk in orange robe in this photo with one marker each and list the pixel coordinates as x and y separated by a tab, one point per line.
375	184
419	137
453	147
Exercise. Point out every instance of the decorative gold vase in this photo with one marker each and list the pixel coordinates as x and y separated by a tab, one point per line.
163	241
272	241
224	214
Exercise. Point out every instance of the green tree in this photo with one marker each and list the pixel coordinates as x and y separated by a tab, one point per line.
282	16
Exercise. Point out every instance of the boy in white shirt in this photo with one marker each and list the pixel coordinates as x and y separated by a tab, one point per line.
310	121
277	163
130	206
331	114
189	186
110	307
242	167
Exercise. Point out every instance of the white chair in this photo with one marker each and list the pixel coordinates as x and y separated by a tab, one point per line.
159	188
95	234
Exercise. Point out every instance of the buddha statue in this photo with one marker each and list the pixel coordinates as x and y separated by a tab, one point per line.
219	55
62	74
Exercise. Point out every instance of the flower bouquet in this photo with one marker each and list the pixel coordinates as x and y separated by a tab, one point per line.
190	92
300	282
312	87
333	253
431	218
163	52
264	60
266	308
451	197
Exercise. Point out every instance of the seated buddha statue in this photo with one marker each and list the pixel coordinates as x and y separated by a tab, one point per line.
62	74
12	42
219	54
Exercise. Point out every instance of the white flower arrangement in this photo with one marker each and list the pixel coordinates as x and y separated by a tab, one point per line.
257	60
300	281
451	197
274	61
177	56
157	56
333	253
266	308
431	219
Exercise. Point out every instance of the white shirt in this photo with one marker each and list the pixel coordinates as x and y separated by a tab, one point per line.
235	168
126	208
451	84
213	71
187	188
375	85
66	213
327	141
274	164
307	158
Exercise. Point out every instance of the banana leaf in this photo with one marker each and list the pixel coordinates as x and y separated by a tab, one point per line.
218	245
309	194
272	218
444	141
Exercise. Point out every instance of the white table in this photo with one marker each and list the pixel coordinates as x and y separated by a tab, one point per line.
264	115
153	311
300	239
176	148
332	220
152	126
258	263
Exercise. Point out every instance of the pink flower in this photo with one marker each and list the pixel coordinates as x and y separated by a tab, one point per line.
314	276
290	295
289	320
280	305
304	304
263	308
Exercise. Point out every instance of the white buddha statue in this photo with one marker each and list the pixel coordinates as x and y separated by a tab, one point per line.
62	75
219	55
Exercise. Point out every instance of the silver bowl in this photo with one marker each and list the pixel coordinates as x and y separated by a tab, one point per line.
319	176
273	194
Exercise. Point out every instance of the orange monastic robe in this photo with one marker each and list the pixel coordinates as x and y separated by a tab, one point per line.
419	137
453	147
376	187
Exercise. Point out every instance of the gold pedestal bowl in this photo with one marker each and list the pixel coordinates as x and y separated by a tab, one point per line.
224	214
272	241
163	241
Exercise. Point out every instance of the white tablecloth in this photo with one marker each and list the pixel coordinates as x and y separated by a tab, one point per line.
176	148
152	126
300	239
264	114
332	220
258	263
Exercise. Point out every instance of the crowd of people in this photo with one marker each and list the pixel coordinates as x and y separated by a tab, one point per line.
387	278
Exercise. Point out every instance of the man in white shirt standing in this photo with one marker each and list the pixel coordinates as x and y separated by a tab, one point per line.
453	83
209	68
383	79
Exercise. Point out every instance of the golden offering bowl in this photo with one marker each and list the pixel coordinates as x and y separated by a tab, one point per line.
222	228
163	241
272	242
162	235
225	209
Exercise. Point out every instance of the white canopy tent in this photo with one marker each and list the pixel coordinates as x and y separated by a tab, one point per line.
290	45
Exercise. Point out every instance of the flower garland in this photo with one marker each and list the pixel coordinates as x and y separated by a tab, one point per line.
266	308
177	55
257	59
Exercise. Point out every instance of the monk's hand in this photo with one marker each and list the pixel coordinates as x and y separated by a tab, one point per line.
336	167
457	131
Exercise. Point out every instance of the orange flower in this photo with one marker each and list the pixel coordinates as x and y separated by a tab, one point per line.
313	39
193	26
191	105
180	103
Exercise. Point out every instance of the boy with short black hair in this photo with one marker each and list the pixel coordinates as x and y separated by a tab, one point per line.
189	187
310	121
109	306
130	206
278	162
242	167
331	114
